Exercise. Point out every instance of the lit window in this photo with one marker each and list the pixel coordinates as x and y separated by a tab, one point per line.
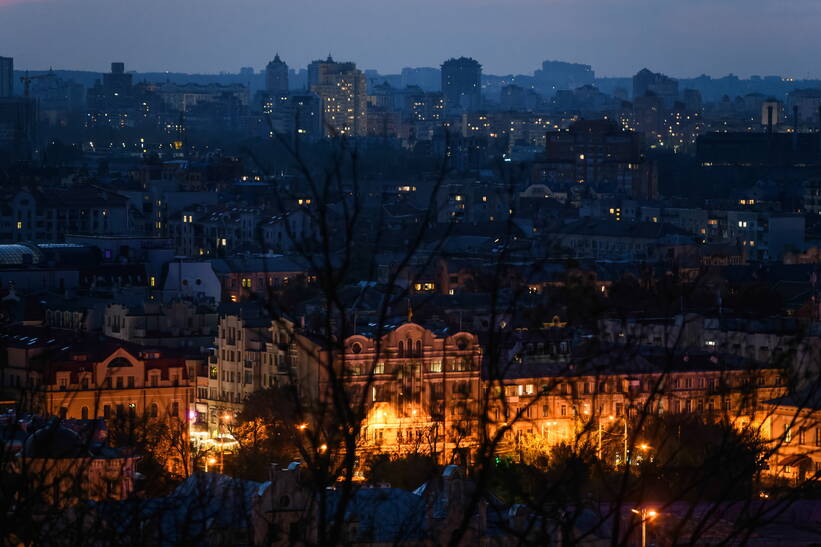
19	225
152	281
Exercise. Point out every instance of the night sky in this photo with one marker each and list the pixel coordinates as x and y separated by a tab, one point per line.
617	37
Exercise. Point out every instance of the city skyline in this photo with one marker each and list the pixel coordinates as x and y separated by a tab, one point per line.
679	40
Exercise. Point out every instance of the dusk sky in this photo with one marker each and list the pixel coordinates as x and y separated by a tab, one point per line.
617	37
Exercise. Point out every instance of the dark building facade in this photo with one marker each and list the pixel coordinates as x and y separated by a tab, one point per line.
6	76
598	153
462	84
276	76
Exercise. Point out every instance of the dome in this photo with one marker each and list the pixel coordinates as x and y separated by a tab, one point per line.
17	254
53	441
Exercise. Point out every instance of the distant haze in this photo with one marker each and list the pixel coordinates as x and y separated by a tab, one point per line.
616	37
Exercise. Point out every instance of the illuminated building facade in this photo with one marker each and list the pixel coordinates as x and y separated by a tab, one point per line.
552	398
124	385
342	89
109	381
421	390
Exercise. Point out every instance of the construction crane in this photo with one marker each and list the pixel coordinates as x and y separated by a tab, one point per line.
27	80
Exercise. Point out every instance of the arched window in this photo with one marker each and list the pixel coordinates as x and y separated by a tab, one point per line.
84	413
154	410
419	348
119	362
410	347
401	349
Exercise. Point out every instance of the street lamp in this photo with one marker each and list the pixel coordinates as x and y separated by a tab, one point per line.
211	460
645	514
225	418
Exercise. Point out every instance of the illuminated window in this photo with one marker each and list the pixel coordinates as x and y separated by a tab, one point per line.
19	225
152	281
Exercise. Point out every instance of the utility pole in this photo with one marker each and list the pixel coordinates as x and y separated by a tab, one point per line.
625	438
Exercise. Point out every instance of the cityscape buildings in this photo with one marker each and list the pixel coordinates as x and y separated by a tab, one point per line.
331	305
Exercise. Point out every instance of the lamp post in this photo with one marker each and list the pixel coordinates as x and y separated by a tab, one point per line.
645	515
225	418
211	460
625	438
645	448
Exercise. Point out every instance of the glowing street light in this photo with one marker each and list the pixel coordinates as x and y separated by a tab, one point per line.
645	514
210	461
